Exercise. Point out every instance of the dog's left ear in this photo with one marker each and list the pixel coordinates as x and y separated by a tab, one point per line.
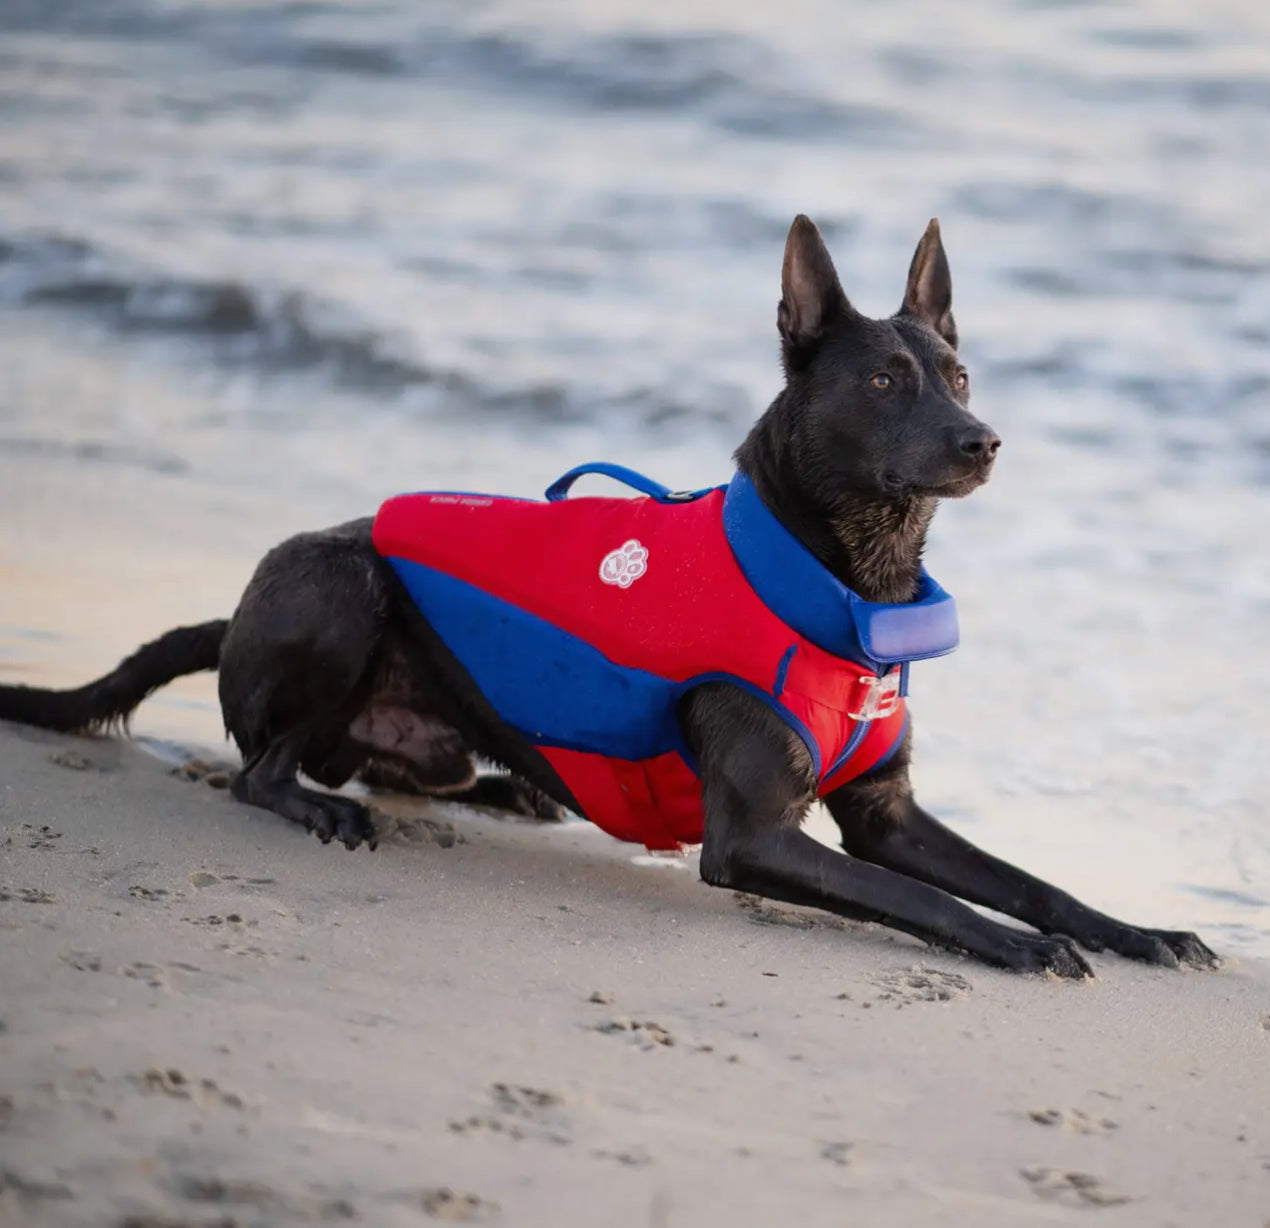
928	297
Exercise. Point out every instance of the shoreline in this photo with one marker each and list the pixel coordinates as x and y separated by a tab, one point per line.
208	1017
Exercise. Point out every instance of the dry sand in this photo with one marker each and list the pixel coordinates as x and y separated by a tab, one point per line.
208	1018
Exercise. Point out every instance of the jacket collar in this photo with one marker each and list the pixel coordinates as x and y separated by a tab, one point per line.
805	595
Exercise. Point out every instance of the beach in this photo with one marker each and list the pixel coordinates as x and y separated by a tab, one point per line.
265	265
208	1018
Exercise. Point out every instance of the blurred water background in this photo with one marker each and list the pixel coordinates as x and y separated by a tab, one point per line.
264	263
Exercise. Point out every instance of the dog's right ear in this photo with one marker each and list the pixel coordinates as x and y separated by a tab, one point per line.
811	295
928	297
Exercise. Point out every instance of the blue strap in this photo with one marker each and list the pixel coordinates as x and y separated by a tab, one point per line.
559	489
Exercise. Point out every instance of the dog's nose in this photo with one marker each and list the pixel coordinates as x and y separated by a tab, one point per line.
981	442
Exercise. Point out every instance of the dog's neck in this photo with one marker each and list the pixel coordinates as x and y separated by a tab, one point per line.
874	546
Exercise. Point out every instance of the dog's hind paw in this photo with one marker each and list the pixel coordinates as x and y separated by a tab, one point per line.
512	793
327	815
535	804
342	819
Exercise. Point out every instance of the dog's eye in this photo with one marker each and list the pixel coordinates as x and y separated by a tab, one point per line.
961	381
883	381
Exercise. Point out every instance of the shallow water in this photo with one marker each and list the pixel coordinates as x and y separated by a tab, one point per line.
261	264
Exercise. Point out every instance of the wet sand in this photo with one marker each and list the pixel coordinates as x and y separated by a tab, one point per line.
209	1018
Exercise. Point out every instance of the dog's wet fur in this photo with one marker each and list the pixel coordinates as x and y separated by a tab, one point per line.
327	666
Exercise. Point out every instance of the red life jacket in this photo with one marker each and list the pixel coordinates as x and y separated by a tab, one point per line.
584	621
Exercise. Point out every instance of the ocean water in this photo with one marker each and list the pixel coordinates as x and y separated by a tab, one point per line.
262	264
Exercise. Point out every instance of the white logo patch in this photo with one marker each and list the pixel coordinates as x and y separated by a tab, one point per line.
624	565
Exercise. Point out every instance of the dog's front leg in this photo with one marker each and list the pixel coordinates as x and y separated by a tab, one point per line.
881	823
757	783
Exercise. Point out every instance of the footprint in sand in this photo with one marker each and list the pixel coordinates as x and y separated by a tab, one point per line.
760	912
417	830
84	1087
152	974
170	975
28	1191
1073	1119
39	838
245	952
274	1204
837	1153
520	1112
27	895
173	1082
82	961
647	1033
1071	1189
632	1157
139	892
216	776
920	984
523	1101
453	1205
72	759
214	919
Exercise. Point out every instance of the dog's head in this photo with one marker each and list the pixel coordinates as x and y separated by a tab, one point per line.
876	409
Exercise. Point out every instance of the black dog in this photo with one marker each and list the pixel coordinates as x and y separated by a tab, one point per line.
328	667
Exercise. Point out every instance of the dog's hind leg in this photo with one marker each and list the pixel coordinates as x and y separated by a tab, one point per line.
496	790
270	782
408	753
882	824
296	667
398	742
436	778
393	745
504	791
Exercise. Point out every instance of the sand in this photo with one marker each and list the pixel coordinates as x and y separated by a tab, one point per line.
208	1018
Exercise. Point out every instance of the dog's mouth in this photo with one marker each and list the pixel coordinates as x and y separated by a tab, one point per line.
954	488
959	488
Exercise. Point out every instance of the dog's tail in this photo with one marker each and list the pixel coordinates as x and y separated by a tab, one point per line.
108	703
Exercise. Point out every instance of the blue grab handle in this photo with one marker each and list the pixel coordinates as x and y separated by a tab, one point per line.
559	489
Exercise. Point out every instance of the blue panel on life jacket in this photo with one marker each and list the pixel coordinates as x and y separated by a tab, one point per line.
550	685
554	687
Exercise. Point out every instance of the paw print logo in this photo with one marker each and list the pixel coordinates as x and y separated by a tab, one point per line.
624	565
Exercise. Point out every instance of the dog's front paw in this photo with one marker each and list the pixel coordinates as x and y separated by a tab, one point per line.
1186	948
1056	953
1142	945
1164	948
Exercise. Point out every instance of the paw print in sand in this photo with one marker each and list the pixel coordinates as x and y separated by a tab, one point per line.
624	565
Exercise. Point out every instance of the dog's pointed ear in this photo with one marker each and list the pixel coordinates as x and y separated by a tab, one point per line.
811	295
928	297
